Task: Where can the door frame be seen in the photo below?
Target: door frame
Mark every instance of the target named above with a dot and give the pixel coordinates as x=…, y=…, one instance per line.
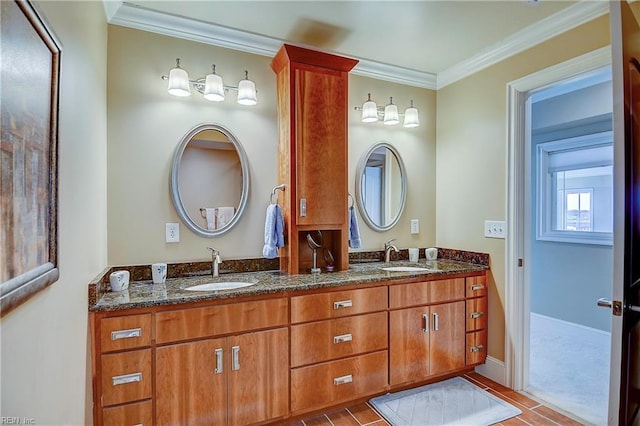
x=517, y=292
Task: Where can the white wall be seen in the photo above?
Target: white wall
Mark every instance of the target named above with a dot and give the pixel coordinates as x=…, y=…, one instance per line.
x=44, y=364
x=146, y=125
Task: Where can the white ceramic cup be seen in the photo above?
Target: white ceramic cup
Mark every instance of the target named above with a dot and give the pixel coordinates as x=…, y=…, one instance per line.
x=431, y=253
x=159, y=272
x=414, y=254
x=119, y=280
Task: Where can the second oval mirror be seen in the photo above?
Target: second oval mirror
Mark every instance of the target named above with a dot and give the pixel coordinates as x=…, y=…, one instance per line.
x=209, y=180
x=381, y=186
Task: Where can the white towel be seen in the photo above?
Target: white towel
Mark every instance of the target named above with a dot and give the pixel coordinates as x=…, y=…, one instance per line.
x=224, y=216
x=210, y=214
x=354, y=230
x=273, y=231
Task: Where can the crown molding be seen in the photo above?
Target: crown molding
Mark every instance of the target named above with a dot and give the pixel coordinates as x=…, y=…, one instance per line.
x=552, y=26
x=132, y=16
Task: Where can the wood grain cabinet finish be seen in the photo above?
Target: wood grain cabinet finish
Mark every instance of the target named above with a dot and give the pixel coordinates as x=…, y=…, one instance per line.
x=330, y=383
x=136, y=414
x=476, y=347
x=125, y=332
x=126, y=377
x=337, y=338
x=477, y=314
x=334, y=304
x=476, y=286
x=477, y=320
x=426, y=292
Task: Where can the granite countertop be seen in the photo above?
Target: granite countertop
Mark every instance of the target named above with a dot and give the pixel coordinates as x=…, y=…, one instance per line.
x=142, y=294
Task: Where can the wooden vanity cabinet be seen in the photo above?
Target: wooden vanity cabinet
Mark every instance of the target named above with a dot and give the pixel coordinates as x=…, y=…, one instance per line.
x=428, y=339
x=476, y=320
x=312, y=90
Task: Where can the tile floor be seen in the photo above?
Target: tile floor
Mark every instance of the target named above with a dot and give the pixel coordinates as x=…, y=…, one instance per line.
x=533, y=413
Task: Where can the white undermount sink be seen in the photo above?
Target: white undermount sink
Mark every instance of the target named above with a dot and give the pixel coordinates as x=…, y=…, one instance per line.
x=404, y=269
x=226, y=285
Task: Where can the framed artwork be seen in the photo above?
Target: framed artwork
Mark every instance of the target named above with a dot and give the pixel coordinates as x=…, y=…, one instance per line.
x=29, y=84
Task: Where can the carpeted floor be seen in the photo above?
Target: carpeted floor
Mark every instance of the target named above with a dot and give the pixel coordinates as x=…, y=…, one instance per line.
x=569, y=367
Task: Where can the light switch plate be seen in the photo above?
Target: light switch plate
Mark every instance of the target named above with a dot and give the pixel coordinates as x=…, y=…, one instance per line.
x=172, y=233
x=415, y=226
x=495, y=229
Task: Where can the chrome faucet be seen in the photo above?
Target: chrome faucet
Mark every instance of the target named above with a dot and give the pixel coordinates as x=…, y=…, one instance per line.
x=215, y=261
x=387, y=249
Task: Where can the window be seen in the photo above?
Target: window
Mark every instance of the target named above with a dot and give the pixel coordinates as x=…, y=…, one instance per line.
x=575, y=190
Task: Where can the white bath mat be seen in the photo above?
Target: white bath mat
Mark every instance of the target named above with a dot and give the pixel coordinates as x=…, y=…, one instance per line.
x=451, y=402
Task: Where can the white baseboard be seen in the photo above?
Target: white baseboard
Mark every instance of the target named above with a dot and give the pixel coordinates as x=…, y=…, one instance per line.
x=493, y=369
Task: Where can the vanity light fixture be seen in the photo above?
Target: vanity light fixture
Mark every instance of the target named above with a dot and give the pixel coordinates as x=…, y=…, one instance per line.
x=211, y=86
x=389, y=115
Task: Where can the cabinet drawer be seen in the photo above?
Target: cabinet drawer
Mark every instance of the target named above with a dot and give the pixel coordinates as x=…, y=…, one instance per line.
x=476, y=286
x=194, y=323
x=126, y=377
x=337, y=338
x=476, y=347
x=333, y=382
x=426, y=292
x=314, y=307
x=477, y=314
x=140, y=413
x=126, y=332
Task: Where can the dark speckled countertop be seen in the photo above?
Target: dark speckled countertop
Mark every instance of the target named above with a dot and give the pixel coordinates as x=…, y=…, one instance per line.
x=144, y=293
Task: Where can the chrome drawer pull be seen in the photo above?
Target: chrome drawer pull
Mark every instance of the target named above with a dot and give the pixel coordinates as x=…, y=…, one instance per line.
x=343, y=304
x=436, y=326
x=475, y=315
x=425, y=318
x=126, y=334
x=477, y=348
x=218, y=353
x=235, y=358
x=342, y=338
x=477, y=287
x=343, y=380
x=126, y=378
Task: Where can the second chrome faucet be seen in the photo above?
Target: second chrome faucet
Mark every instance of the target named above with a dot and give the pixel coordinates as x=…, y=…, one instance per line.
x=215, y=261
x=387, y=249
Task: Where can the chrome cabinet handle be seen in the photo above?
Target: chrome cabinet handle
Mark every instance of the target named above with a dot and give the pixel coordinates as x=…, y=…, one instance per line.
x=218, y=353
x=476, y=348
x=303, y=207
x=343, y=338
x=235, y=358
x=477, y=287
x=343, y=380
x=475, y=315
x=343, y=304
x=425, y=318
x=126, y=334
x=435, y=322
x=126, y=378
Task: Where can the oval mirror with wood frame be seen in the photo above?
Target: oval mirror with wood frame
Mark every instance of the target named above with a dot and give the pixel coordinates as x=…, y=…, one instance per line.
x=209, y=181
x=381, y=187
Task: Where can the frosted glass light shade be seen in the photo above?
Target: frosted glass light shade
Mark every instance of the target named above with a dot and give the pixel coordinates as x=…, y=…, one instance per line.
x=178, y=82
x=247, y=92
x=213, y=88
x=391, y=116
x=369, y=111
x=411, y=118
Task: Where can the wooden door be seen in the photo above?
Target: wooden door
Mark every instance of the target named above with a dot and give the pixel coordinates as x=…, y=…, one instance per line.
x=320, y=98
x=189, y=390
x=447, y=337
x=409, y=331
x=258, y=371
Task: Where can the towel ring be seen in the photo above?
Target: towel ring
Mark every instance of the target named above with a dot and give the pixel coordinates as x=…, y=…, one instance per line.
x=273, y=192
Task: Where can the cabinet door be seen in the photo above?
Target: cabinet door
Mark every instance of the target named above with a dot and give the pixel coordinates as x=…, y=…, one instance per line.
x=321, y=145
x=190, y=389
x=258, y=376
x=447, y=337
x=409, y=331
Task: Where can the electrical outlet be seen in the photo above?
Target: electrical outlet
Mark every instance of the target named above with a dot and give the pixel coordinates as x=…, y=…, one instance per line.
x=172, y=233
x=495, y=229
x=415, y=226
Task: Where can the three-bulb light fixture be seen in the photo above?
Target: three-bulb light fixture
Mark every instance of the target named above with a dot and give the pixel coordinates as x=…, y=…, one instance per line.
x=211, y=86
x=389, y=114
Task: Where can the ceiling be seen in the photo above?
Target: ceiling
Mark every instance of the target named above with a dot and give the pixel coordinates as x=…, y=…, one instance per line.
x=425, y=43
